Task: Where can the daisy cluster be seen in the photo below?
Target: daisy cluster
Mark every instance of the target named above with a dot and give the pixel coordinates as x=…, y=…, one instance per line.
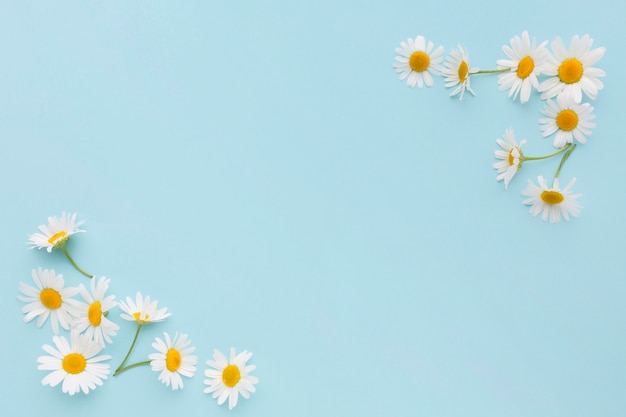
x=564, y=77
x=82, y=330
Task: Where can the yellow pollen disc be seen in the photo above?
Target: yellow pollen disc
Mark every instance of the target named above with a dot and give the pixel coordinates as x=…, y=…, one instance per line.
x=511, y=157
x=137, y=316
x=419, y=61
x=74, y=363
x=463, y=70
x=57, y=236
x=567, y=120
x=50, y=298
x=552, y=197
x=525, y=67
x=570, y=71
x=172, y=360
x=94, y=314
x=231, y=376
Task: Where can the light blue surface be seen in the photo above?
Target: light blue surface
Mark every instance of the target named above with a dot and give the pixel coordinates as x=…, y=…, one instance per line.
x=260, y=169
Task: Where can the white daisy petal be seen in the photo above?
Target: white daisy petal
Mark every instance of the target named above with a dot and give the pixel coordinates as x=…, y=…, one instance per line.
x=172, y=360
x=552, y=202
x=142, y=311
x=569, y=119
x=418, y=62
x=511, y=157
x=229, y=377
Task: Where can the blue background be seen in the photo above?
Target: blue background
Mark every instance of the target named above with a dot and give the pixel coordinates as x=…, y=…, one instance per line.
x=260, y=170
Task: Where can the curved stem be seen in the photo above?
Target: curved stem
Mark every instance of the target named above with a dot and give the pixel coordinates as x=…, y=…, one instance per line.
x=132, y=346
x=495, y=71
x=81, y=270
x=536, y=158
x=134, y=365
x=565, y=156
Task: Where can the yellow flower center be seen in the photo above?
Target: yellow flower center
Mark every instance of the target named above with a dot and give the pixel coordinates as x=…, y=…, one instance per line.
x=50, y=298
x=552, y=197
x=567, y=120
x=137, y=316
x=463, y=70
x=94, y=314
x=172, y=360
x=511, y=157
x=570, y=71
x=231, y=376
x=525, y=67
x=57, y=236
x=74, y=363
x=419, y=61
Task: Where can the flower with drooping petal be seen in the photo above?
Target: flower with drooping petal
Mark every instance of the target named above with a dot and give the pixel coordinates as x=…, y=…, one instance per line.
x=229, y=378
x=56, y=233
x=142, y=310
x=74, y=363
x=568, y=119
x=90, y=315
x=526, y=61
x=457, y=72
x=49, y=298
x=511, y=157
x=571, y=69
x=173, y=359
x=552, y=202
x=418, y=61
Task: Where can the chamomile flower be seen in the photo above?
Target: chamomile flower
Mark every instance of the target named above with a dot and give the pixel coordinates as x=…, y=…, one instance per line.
x=568, y=119
x=572, y=70
x=56, y=233
x=511, y=157
x=418, y=61
x=526, y=61
x=173, y=359
x=142, y=310
x=229, y=378
x=49, y=298
x=74, y=363
x=552, y=202
x=457, y=72
x=90, y=315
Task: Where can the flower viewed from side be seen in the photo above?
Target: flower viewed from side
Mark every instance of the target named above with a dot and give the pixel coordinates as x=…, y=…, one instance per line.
x=75, y=364
x=552, y=202
x=142, y=310
x=510, y=155
x=526, y=61
x=418, y=61
x=457, y=72
x=229, y=378
x=572, y=70
x=568, y=119
x=90, y=315
x=49, y=298
x=56, y=233
x=173, y=359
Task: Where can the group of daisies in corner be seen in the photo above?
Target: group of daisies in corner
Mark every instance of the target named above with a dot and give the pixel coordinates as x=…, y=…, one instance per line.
x=568, y=72
x=76, y=362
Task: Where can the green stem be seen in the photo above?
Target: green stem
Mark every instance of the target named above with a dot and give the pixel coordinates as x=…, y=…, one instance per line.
x=536, y=158
x=495, y=71
x=134, y=365
x=565, y=156
x=132, y=346
x=81, y=270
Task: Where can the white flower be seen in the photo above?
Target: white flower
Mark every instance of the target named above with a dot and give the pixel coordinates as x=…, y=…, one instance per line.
x=75, y=364
x=418, y=62
x=552, y=202
x=526, y=62
x=572, y=69
x=511, y=157
x=90, y=316
x=457, y=72
x=228, y=379
x=48, y=299
x=568, y=119
x=143, y=311
x=56, y=233
x=173, y=360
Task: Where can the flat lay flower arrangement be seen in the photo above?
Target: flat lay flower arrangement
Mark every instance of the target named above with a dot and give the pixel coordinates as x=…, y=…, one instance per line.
x=83, y=326
x=564, y=76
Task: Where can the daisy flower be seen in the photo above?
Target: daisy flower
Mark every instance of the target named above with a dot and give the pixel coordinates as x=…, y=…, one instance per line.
x=74, y=363
x=229, y=378
x=173, y=359
x=49, y=298
x=568, y=119
x=143, y=311
x=552, y=202
x=418, y=62
x=572, y=69
x=511, y=157
x=526, y=62
x=457, y=72
x=56, y=233
x=90, y=315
